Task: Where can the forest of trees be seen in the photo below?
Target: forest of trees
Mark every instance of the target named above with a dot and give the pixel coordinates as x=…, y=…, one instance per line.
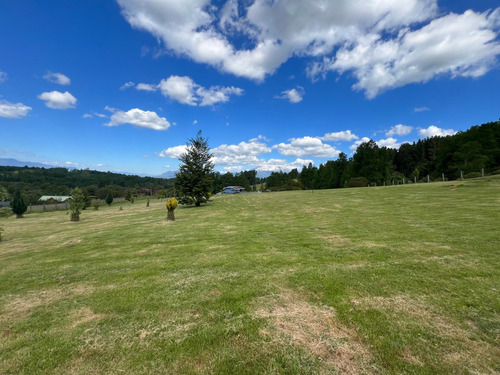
x=468, y=152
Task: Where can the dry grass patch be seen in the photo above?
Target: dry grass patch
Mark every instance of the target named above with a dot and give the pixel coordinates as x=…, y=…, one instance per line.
x=83, y=316
x=18, y=308
x=317, y=330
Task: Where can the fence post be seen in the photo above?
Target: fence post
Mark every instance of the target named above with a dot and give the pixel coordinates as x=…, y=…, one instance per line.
x=428, y=178
x=482, y=172
x=462, y=175
x=442, y=174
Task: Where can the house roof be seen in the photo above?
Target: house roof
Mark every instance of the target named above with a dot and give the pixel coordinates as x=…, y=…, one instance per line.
x=235, y=187
x=58, y=198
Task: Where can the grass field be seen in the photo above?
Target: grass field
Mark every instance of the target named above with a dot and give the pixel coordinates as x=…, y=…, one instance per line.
x=387, y=280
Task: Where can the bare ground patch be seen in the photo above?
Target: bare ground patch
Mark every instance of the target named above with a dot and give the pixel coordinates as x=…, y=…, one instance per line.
x=467, y=351
x=318, y=331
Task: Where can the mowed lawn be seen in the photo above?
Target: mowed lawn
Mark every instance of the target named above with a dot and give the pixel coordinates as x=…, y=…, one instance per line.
x=385, y=280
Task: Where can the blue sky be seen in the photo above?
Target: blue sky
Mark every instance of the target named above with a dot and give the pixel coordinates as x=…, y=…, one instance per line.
x=121, y=85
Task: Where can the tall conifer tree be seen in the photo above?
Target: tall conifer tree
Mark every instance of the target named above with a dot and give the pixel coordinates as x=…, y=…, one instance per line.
x=18, y=205
x=193, y=183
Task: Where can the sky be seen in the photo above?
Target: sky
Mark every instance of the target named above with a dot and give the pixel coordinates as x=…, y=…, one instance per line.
x=273, y=84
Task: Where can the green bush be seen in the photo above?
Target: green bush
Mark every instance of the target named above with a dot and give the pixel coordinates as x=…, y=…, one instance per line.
x=358, y=182
x=6, y=212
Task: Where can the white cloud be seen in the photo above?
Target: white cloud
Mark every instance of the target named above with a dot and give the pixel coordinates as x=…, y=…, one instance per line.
x=454, y=45
x=195, y=122
x=433, y=131
x=384, y=43
x=389, y=143
x=345, y=136
x=260, y=137
x=355, y=145
x=3, y=76
x=140, y=118
x=90, y=115
x=185, y=91
x=58, y=78
x=127, y=85
x=292, y=95
x=203, y=32
x=13, y=110
x=87, y=115
x=173, y=152
x=307, y=146
x=400, y=130
x=58, y=100
x=146, y=87
x=422, y=109
x=276, y=165
x=242, y=153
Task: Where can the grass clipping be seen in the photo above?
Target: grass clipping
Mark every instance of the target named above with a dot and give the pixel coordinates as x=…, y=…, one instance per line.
x=317, y=330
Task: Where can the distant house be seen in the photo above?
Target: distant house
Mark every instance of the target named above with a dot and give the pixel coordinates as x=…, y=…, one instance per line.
x=51, y=199
x=234, y=189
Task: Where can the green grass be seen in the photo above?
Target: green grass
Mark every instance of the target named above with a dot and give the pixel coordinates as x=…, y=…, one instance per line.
x=394, y=280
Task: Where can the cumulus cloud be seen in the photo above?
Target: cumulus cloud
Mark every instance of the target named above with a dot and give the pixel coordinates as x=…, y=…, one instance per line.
x=242, y=153
x=127, y=85
x=13, y=110
x=400, y=130
x=58, y=100
x=58, y=78
x=342, y=136
x=3, y=76
x=173, y=152
x=185, y=91
x=292, y=95
x=454, y=45
x=433, y=131
x=384, y=44
x=389, y=143
x=140, y=118
x=307, y=146
x=355, y=145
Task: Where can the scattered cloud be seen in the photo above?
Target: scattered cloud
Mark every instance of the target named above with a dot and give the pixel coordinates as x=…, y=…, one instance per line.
x=241, y=153
x=195, y=122
x=173, y=152
x=58, y=78
x=389, y=143
x=422, y=109
x=383, y=44
x=87, y=115
x=139, y=118
x=58, y=100
x=355, y=145
x=259, y=138
x=276, y=165
x=146, y=87
x=185, y=91
x=13, y=110
x=433, y=131
x=342, y=136
x=400, y=130
x=3, y=76
x=307, y=146
x=127, y=85
x=292, y=95
x=97, y=114
x=71, y=164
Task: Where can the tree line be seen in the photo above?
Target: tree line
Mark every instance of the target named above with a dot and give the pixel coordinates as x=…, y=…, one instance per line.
x=465, y=153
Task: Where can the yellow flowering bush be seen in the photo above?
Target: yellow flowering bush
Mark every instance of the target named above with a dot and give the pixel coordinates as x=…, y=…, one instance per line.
x=171, y=206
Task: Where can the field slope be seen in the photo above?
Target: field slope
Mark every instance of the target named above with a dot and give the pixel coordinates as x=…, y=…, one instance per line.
x=387, y=280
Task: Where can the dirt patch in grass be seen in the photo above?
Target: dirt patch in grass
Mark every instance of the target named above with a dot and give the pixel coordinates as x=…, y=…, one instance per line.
x=317, y=330
x=18, y=308
x=467, y=349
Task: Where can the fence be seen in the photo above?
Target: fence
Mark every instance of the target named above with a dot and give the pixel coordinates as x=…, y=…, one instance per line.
x=61, y=206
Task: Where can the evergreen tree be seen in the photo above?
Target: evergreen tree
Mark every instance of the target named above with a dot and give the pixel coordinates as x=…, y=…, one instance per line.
x=18, y=205
x=109, y=198
x=193, y=183
x=76, y=204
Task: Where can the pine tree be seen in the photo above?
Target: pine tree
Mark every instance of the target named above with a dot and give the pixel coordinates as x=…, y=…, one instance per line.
x=193, y=183
x=19, y=207
x=109, y=198
x=76, y=204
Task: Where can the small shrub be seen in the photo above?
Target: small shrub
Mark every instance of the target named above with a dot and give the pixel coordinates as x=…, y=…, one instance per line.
x=19, y=207
x=171, y=206
x=76, y=204
x=6, y=212
x=1, y=230
x=109, y=198
x=96, y=205
x=147, y=203
x=358, y=182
